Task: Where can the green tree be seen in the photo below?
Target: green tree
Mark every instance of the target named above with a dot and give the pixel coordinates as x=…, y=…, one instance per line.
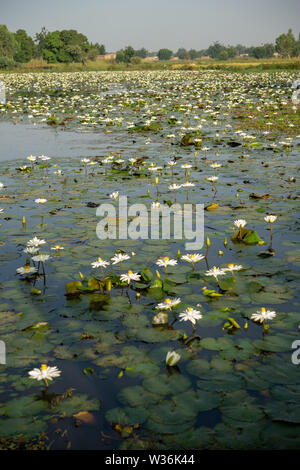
x=71, y=37
x=193, y=54
x=100, y=48
x=164, y=54
x=120, y=56
x=93, y=53
x=40, y=39
x=53, y=48
x=8, y=43
x=128, y=54
x=231, y=51
x=286, y=44
x=26, y=46
x=223, y=55
x=182, y=54
x=143, y=53
x=215, y=50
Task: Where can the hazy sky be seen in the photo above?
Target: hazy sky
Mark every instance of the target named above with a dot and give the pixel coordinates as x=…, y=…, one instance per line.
x=158, y=23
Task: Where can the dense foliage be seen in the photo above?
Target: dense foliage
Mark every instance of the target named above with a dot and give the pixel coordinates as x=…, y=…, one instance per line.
x=71, y=46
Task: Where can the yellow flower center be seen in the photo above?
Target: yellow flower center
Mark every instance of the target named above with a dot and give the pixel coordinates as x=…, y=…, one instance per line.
x=192, y=256
x=263, y=310
x=44, y=367
x=130, y=272
x=99, y=259
x=168, y=301
x=230, y=265
x=27, y=267
x=190, y=309
x=166, y=258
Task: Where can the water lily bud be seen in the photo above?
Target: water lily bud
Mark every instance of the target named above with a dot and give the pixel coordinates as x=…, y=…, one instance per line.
x=81, y=275
x=172, y=358
x=220, y=252
x=108, y=285
x=207, y=242
x=225, y=242
x=24, y=221
x=157, y=274
x=156, y=180
x=137, y=295
x=246, y=326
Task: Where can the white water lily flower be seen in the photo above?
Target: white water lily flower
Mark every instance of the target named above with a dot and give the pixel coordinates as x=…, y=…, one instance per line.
x=212, y=179
x=156, y=205
x=31, y=250
x=31, y=158
x=186, y=166
x=240, y=223
x=41, y=258
x=85, y=160
x=57, y=248
x=114, y=195
x=215, y=165
x=262, y=315
x=175, y=186
x=172, y=358
x=119, y=257
x=130, y=276
x=35, y=241
x=191, y=315
x=100, y=263
x=270, y=218
x=172, y=163
x=166, y=261
x=193, y=257
x=40, y=201
x=168, y=304
x=233, y=267
x=1, y=210
x=44, y=373
x=187, y=185
x=215, y=272
x=26, y=270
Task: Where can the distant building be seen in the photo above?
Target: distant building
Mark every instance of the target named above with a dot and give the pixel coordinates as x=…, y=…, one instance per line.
x=205, y=57
x=174, y=58
x=243, y=55
x=107, y=56
x=151, y=59
x=276, y=54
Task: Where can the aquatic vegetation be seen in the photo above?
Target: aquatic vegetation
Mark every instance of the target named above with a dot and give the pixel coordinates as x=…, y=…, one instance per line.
x=156, y=345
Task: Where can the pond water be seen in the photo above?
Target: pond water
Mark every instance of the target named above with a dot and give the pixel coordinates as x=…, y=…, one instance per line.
x=235, y=385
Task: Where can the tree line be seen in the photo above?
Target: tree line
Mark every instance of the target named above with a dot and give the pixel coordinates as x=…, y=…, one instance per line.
x=71, y=46
x=55, y=47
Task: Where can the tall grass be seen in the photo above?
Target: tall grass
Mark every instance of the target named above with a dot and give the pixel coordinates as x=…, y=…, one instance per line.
x=236, y=64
